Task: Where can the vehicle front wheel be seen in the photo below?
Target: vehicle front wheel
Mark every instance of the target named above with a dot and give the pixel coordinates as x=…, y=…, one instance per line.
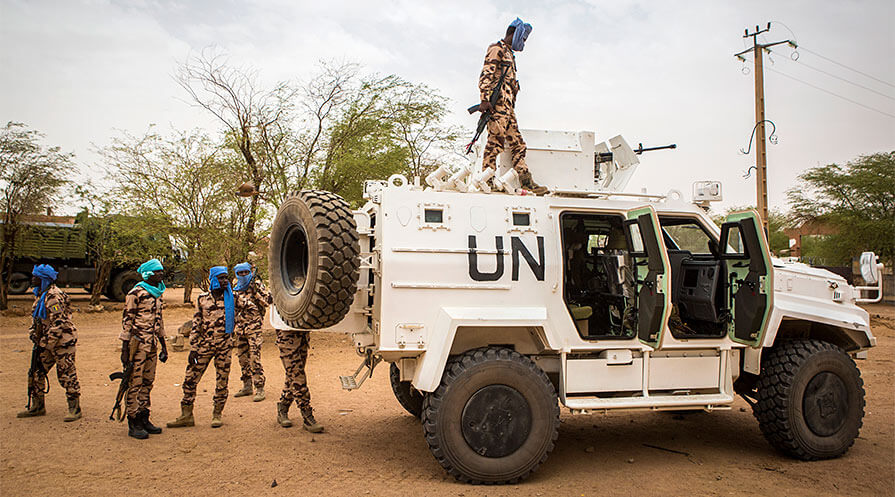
x=810, y=399
x=493, y=419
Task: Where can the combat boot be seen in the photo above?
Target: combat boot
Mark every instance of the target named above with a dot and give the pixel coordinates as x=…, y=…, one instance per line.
x=37, y=409
x=135, y=428
x=310, y=424
x=283, y=414
x=74, y=410
x=259, y=395
x=529, y=184
x=185, y=419
x=246, y=389
x=147, y=425
x=216, y=417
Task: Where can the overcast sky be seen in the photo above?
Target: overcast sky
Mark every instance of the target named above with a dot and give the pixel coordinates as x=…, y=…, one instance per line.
x=656, y=72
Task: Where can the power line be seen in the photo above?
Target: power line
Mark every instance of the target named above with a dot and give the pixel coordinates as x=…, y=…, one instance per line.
x=843, y=79
x=831, y=93
x=800, y=47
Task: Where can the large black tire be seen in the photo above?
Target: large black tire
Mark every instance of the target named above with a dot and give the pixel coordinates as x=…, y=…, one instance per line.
x=810, y=399
x=493, y=419
x=314, y=259
x=121, y=284
x=410, y=398
x=19, y=283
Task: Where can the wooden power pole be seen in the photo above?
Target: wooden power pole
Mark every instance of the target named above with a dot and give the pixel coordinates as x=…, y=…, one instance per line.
x=761, y=156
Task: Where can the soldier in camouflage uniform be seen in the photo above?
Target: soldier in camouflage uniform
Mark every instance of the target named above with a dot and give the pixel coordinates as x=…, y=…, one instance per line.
x=294, y=345
x=211, y=338
x=256, y=298
x=142, y=321
x=55, y=337
x=503, y=130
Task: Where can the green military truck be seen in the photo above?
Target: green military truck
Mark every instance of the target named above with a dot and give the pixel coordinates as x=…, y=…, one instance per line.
x=62, y=241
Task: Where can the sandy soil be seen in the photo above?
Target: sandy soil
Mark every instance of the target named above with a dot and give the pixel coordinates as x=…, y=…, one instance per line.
x=372, y=447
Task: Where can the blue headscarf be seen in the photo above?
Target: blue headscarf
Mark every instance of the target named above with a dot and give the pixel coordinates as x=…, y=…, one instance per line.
x=242, y=282
x=523, y=29
x=47, y=276
x=229, y=308
x=146, y=270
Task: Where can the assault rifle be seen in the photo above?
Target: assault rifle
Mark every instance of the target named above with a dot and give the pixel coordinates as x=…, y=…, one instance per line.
x=486, y=116
x=35, y=373
x=125, y=377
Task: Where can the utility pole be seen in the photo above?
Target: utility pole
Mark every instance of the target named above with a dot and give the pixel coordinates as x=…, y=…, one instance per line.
x=761, y=155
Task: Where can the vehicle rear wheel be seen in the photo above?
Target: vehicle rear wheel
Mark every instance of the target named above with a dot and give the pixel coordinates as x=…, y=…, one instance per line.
x=314, y=259
x=810, y=399
x=410, y=398
x=507, y=411
x=121, y=284
x=19, y=283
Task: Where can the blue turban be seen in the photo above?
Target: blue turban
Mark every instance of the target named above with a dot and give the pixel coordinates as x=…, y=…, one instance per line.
x=148, y=269
x=229, y=308
x=521, y=34
x=47, y=276
x=242, y=282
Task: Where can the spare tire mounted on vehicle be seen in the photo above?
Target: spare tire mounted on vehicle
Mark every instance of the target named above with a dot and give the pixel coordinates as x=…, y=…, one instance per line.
x=314, y=259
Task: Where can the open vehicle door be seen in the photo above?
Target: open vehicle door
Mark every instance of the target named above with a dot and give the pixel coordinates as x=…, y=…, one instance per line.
x=744, y=250
x=651, y=274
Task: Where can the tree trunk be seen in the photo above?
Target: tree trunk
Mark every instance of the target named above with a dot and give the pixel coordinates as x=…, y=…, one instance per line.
x=103, y=271
x=6, y=257
x=188, y=287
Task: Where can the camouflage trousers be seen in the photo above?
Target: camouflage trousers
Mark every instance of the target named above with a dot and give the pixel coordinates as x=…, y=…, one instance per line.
x=64, y=360
x=503, y=133
x=143, y=377
x=294, y=347
x=248, y=351
x=194, y=373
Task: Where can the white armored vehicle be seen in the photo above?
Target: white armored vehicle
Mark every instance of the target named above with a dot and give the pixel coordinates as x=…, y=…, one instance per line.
x=495, y=308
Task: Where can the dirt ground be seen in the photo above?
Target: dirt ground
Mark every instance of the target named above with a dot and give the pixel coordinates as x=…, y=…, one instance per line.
x=372, y=447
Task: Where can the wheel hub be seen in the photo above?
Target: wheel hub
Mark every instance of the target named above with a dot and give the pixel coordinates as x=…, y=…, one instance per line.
x=496, y=421
x=825, y=404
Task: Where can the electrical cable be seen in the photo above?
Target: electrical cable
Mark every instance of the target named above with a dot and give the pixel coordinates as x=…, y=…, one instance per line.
x=843, y=79
x=800, y=47
x=830, y=93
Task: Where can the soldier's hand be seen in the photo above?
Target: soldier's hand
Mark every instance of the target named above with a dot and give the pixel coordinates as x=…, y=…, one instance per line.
x=193, y=357
x=163, y=355
x=124, y=354
x=485, y=106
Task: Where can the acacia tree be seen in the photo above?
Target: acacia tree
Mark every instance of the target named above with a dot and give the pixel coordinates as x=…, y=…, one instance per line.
x=256, y=120
x=31, y=176
x=858, y=198
x=115, y=240
x=185, y=183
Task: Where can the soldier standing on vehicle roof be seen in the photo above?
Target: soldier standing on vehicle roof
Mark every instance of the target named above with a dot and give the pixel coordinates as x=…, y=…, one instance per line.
x=142, y=321
x=294, y=345
x=55, y=337
x=248, y=329
x=211, y=337
x=503, y=130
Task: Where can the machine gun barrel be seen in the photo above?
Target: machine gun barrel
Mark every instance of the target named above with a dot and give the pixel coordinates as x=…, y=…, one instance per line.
x=639, y=150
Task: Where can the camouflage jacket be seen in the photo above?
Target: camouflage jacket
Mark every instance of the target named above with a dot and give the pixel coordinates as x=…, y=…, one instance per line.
x=56, y=331
x=255, y=301
x=208, y=333
x=142, y=318
x=498, y=57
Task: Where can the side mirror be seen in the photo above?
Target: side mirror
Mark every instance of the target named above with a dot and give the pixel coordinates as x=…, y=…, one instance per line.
x=869, y=268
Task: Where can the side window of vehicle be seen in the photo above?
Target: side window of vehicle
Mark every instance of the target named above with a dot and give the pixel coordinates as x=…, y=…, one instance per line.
x=688, y=235
x=735, y=247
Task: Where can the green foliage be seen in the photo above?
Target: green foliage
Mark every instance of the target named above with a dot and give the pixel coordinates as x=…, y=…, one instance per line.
x=858, y=198
x=31, y=177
